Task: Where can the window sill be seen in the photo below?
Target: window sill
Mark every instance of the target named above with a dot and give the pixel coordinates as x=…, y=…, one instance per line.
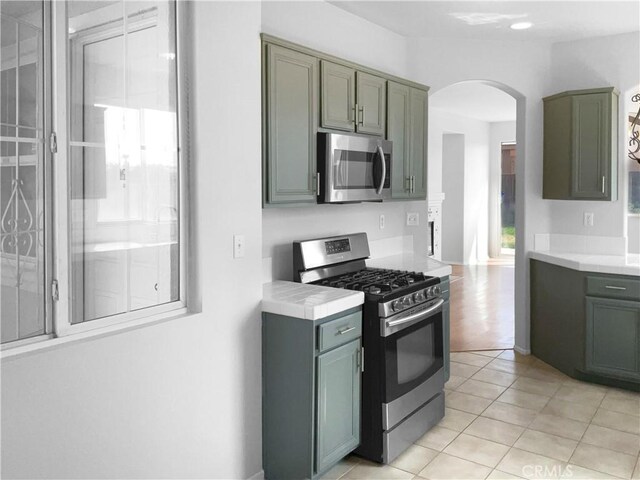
x=47, y=342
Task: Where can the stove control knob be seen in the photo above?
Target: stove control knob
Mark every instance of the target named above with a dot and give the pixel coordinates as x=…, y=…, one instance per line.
x=427, y=292
x=418, y=297
x=406, y=301
x=397, y=306
x=437, y=291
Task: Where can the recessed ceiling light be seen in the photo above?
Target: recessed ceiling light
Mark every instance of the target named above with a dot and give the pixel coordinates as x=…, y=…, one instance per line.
x=521, y=25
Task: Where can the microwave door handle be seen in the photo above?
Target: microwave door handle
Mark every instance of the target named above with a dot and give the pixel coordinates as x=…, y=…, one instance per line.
x=384, y=170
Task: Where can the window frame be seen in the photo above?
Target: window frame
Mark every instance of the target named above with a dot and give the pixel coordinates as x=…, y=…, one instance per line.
x=58, y=314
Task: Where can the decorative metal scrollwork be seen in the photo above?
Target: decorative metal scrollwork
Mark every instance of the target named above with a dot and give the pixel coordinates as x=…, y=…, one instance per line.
x=634, y=139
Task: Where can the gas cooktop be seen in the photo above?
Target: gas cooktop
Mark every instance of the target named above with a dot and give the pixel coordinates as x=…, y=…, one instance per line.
x=378, y=281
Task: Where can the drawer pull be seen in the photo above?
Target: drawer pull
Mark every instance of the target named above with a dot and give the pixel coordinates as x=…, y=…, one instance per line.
x=345, y=330
x=612, y=287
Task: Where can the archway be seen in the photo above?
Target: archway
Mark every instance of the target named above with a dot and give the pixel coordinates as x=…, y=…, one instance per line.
x=518, y=305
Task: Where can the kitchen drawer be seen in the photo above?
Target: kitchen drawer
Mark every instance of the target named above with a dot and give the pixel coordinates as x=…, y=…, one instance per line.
x=613, y=287
x=339, y=331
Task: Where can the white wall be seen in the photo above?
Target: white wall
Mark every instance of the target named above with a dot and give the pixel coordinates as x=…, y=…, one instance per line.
x=453, y=177
x=331, y=30
x=592, y=63
x=471, y=194
x=180, y=399
x=500, y=132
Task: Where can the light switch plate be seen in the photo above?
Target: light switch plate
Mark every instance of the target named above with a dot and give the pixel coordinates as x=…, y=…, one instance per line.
x=413, y=219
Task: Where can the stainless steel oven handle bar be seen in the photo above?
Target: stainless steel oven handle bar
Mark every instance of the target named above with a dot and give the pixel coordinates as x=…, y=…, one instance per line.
x=411, y=318
x=384, y=170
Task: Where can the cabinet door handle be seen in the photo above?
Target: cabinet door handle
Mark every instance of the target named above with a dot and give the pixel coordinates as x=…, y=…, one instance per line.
x=362, y=359
x=603, y=179
x=354, y=111
x=612, y=287
x=362, y=115
x=345, y=330
x=318, y=183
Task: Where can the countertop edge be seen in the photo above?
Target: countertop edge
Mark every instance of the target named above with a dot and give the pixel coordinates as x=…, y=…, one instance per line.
x=589, y=263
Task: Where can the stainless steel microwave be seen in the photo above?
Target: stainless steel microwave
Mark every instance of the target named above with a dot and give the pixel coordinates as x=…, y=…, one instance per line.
x=353, y=168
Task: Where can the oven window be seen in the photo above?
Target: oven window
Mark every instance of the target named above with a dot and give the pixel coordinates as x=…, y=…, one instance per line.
x=412, y=356
x=358, y=170
x=415, y=354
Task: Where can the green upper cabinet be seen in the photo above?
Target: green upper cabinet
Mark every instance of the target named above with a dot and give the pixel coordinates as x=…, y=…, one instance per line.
x=407, y=128
x=338, y=97
x=371, y=104
x=580, y=145
x=291, y=99
x=304, y=90
x=352, y=101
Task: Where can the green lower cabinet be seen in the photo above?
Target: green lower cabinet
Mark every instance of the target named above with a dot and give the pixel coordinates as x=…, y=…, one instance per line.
x=311, y=379
x=338, y=417
x=613, y=337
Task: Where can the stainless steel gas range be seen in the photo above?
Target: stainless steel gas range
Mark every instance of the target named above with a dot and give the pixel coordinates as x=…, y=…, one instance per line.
x=402, y=334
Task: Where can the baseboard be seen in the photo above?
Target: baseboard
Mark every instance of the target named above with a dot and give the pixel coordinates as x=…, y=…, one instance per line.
x=257, y=476
x=522, y=351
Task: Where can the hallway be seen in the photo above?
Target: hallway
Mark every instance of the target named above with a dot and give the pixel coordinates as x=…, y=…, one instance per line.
x=482, y=308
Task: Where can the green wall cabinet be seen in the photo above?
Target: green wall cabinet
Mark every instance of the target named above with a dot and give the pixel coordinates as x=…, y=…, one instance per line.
x=338, y=97
x=304, y=90
x=351, y=100
x=580, y=145
x=407, y=129
x=291, y=95
x=613, y=337
x=311, y=374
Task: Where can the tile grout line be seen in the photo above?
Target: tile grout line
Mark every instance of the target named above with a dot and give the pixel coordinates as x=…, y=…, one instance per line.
x=607, y=390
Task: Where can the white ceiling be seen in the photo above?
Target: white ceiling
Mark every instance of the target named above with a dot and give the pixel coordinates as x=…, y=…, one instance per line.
x=477, y=101
x=554, y=21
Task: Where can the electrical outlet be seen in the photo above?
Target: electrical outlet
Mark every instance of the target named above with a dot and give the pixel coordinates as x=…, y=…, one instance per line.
x=413, y=219
x=381, y=222
x=238, y=246
x=588, y=219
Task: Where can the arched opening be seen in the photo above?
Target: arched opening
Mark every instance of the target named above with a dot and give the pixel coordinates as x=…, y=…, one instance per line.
x=477, y=154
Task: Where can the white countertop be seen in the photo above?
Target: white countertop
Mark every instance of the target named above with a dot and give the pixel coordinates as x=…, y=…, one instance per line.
x=587, y=262
x=309, y=302
x=414, y=262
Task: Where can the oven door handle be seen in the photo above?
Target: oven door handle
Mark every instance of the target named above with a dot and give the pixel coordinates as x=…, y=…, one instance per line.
x=384, y=170
x=411, y=318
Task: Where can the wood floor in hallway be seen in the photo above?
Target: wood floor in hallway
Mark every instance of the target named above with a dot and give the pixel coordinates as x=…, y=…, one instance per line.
x=482, y=308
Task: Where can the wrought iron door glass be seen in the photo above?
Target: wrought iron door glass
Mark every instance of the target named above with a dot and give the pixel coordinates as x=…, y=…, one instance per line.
x=22, y=155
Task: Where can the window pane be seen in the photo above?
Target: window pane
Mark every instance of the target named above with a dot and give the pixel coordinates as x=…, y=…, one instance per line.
x=123, y=157
x=22, y=302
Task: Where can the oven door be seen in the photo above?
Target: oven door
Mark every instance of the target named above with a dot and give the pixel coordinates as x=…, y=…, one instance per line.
x=413, y=348
x=357, y=168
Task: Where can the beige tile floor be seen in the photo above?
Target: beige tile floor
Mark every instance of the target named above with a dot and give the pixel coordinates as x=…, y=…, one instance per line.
x=513, y=416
